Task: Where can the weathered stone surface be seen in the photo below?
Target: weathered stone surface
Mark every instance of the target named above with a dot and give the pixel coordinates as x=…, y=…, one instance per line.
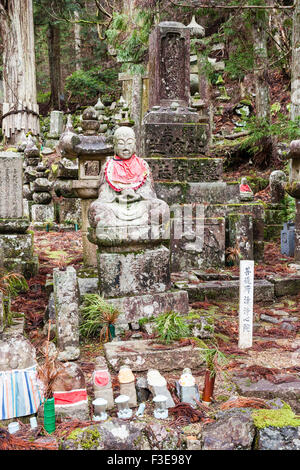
x=71, y=377
x=14, y=225
x=11, y=185
x=142, y=355
x=277, y=184
x=263, y=290
x=169, y=73
x=186, y=193
x=42, y=213
x=233, y=430
x=186, y=169
x=142, y=390
x=114, y=434
x=16, y=352
x=56, y=124
x=67, y=313
x=287, y=391
x=87, y=285
x=197, y=242
x=17, y=245
x=241, y=234
x=134, y=273
x=41, y=198
x=67, y=169
x=50, y=309
x=146, y=306
x=175, y=139
x=289, y=285
x=70, y=211
x=161, y=437
x=285, y=438
x=41, y=185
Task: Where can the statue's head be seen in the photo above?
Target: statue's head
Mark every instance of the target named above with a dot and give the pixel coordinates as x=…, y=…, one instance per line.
x=124, y=142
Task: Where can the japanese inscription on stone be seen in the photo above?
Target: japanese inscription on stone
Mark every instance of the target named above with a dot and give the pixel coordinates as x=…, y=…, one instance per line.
x=246, y=304
x=11, y=200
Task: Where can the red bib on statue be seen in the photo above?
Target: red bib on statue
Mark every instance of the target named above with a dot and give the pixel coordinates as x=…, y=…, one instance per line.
x=121, y=174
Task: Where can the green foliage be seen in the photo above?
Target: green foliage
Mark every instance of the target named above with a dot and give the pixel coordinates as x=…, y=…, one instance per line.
x=289, y=211
x=260, y=128
x=96, y=314
x=12, y=283
x=170, y=327
x=214, y=359
x=240, y=61
x=131, y=48
x=86, y=85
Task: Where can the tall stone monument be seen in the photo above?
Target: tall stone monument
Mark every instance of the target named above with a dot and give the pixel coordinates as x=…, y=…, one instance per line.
x=175, y=146
x=16, y=243
x=171, y=127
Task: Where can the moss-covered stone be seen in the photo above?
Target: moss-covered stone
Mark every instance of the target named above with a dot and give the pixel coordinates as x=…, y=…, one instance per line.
x=277, y=418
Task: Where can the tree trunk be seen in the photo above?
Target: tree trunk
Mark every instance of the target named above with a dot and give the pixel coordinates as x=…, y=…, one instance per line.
x=295, y=70
x=54, y=65
x=77, y=42
x=20, y=109
x=261, y=65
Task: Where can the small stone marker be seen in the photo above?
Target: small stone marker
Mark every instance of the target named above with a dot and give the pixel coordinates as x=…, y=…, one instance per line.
x=56, y=124
x=157, y=384
x=288, y=239
x=127, y=385
x=246, y=304
x=186, y=387
x=102, y=382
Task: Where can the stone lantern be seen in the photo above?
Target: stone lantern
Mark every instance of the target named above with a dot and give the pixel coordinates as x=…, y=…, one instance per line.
x=91, y=151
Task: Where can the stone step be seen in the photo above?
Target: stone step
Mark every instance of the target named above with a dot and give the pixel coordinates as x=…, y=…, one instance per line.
x=222, y=290
x=143, y=355
x=284, y=286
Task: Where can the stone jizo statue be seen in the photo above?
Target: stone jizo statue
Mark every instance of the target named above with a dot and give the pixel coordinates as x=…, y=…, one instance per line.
x=126, y=192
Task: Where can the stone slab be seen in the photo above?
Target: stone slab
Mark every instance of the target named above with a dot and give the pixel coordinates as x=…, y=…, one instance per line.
x=150, y=305
x=186, y=169
x=134, y=273
x=209, y=193
x=287, y=391
x=142, y=355
x=263, y=290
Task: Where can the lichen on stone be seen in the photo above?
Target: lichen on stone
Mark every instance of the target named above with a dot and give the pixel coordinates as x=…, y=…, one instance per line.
x=275, y=418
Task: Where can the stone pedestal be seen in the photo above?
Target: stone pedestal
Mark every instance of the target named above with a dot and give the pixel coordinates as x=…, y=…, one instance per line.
x=16, y=244
x=134, y=273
